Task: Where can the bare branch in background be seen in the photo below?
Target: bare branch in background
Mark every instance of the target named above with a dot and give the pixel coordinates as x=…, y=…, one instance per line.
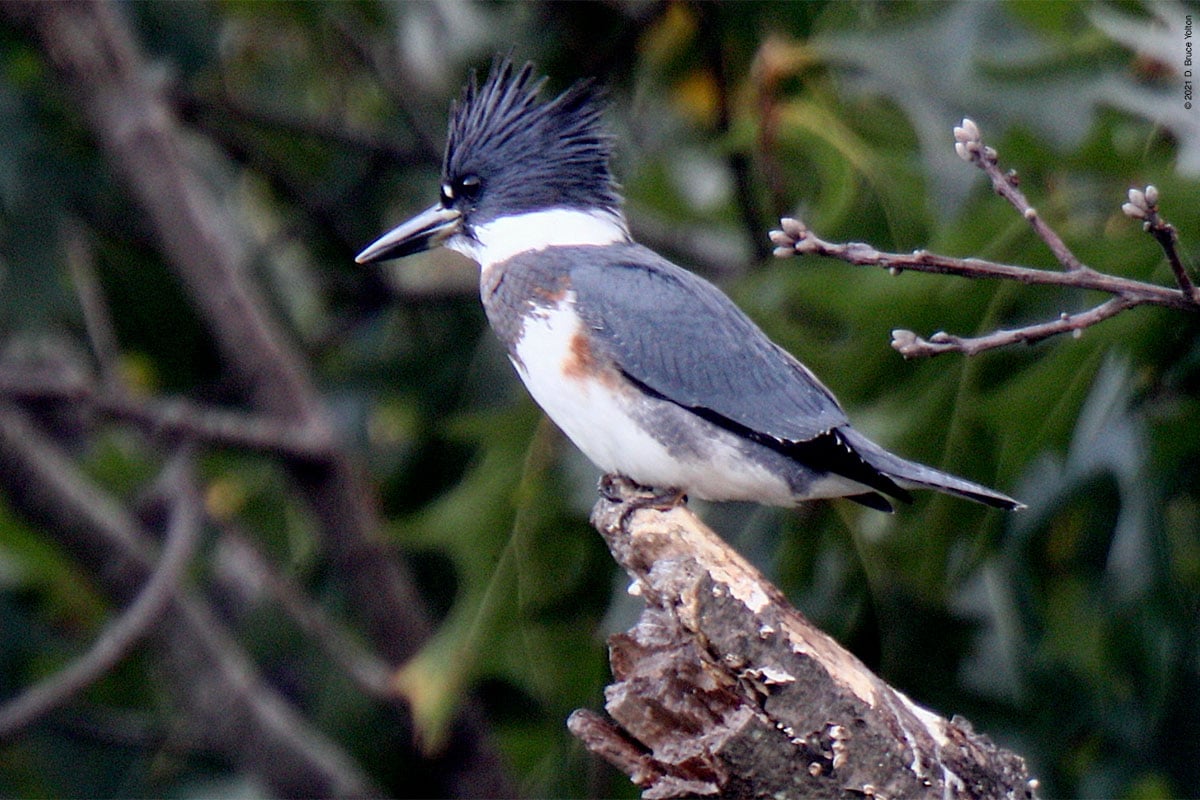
x=102, y=333
x=795, y=238
x=92, y=49
x=120, y=635
x=370, y=673
x=214, y=679
x=739, y=164
x=391, y=77
x=172, y=417
x=128, y=110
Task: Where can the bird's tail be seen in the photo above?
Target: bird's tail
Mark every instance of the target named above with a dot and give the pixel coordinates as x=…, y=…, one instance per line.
x=910, y=474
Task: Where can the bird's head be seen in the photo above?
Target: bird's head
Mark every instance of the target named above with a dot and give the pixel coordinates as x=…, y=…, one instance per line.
x=517, y=171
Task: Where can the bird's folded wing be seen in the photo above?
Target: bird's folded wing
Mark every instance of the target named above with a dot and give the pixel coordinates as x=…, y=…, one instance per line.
x=682, y=338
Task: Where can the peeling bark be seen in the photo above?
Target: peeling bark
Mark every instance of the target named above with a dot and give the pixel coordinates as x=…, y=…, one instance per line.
x=723, y=689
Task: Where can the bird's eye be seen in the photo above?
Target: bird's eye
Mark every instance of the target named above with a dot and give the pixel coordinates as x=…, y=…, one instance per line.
x=465, y=188
x=470, y=186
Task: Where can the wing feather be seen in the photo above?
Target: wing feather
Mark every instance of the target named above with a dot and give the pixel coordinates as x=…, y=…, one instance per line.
x=678, y=335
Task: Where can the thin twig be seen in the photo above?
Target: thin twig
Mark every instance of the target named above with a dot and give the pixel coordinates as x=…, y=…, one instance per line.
x=1143, y=204
x=1164, y=233
x=794, y=238
x=230, y=108
x=119, y=636
x=970, y=147
x=909, y=345
x=100, y=329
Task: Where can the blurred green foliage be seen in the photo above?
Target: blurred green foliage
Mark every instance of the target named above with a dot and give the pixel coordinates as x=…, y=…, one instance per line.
x=1067, y=632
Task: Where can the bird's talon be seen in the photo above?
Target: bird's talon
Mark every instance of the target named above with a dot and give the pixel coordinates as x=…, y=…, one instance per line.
x=612, y=486
x=617, y=488
x=660, y=500
x=634, y=496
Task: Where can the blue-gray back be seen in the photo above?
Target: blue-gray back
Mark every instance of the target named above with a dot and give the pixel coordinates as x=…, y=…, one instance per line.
x=681, y=337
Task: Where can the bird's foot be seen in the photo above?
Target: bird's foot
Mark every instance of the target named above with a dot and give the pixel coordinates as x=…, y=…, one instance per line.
x=617, y=488
x=620, y=489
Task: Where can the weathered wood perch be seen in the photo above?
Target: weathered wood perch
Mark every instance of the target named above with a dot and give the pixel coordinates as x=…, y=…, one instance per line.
x=723, y=689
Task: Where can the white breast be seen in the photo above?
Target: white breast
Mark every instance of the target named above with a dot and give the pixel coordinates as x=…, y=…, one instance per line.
x=592, y=413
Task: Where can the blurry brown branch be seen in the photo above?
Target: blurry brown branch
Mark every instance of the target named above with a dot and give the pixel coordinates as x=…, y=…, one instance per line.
x=739, y=163
x=371, y=674
x=215, y=680
x=173, y=418
x=391, y=77
x=126, y=106
x=119, y=636
x=288, y=121
x=795, y=238
x=723, y=689
x=100, y=328
x=92, y=50
x=237, y=127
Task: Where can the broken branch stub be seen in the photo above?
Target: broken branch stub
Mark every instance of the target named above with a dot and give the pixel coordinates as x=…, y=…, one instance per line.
x=723, y=689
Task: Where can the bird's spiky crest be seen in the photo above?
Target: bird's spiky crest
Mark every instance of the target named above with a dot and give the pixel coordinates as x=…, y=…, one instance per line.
x=530, y=154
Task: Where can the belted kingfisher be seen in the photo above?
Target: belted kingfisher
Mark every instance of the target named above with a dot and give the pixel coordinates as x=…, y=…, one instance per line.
x=650, y=370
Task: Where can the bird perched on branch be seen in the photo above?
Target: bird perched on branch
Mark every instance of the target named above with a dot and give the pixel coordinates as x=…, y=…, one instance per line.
x=649, y=369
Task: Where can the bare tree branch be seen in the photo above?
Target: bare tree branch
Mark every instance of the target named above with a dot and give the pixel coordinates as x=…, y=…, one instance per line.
x=237, y=713
x=101, y=331
x=177, y=418
x=370, y=673
x=723, y=689
x=968, y=143
x=795, y=238
x=909, y=345
x=119, y=636
x=97, y=61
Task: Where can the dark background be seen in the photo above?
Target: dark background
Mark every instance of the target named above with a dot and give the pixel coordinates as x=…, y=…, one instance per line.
x=443, y=527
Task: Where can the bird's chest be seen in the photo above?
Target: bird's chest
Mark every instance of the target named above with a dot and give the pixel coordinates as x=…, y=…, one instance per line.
x=567, y=373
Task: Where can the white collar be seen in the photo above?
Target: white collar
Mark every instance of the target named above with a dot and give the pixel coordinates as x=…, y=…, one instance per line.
x=505, y=237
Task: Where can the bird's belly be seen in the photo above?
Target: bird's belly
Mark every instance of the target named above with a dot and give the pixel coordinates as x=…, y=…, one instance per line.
x=622, y=429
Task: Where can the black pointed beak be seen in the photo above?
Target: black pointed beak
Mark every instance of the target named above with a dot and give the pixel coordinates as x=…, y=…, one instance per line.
x=423, y=232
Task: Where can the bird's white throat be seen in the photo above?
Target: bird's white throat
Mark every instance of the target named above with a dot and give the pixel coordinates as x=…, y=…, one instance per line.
x=505, y=237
